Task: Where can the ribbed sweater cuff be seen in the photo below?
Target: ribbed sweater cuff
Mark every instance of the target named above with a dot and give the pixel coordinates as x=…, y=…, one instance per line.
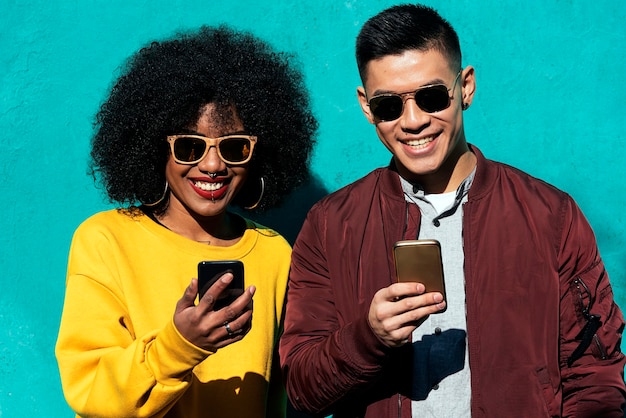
x=171, y=357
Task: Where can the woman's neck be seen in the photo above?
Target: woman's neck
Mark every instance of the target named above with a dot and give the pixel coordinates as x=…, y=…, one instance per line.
x=223, y=230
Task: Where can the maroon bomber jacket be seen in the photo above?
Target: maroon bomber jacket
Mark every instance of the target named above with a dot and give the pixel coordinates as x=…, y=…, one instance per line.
x=529, y=256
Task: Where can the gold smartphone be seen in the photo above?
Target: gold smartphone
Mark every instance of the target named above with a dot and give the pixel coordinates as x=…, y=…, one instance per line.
x=420, y=261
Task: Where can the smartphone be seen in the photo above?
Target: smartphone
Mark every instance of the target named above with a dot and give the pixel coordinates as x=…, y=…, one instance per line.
x=210, y=271
x=420, y=261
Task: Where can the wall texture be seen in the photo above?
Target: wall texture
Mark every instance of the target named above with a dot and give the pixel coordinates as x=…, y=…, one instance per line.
x=551, y=100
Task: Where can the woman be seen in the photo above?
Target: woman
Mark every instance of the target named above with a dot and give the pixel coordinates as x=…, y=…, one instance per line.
x=194, y=125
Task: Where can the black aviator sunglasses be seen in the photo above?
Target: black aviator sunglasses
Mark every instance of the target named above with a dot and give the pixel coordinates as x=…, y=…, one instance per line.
x=432, y=98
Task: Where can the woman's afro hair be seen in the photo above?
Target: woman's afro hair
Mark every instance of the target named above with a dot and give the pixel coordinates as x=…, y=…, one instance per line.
x=162, y=90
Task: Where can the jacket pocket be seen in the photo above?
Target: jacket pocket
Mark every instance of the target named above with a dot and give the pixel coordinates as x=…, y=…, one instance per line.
x=551, y=396
x=599, y=318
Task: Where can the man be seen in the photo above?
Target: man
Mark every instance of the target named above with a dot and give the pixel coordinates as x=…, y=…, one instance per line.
x=530, y=328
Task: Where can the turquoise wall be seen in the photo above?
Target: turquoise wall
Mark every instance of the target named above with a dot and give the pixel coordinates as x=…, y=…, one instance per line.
x=551, y=100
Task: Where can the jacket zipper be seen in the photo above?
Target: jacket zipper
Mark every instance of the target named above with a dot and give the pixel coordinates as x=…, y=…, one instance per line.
x=406, y=219
x=586, y=311
x=601, y=349
x=406, y=225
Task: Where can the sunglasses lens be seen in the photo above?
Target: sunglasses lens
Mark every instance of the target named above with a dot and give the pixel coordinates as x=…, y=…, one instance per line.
x=386, y=108
x=389, y=107
x=235, y=149
x=432, y=99
x=189, y=149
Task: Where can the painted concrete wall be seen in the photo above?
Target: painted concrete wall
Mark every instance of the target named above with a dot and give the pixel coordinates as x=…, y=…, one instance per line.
x=551, y=100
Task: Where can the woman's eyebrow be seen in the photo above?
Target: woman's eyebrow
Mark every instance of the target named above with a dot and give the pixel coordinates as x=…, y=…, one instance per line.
x=194, y=132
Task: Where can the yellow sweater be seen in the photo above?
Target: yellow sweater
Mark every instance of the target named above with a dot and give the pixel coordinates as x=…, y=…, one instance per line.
x=118, y=351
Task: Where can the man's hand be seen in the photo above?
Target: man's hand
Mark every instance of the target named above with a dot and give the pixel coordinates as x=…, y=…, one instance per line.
x=397, y=310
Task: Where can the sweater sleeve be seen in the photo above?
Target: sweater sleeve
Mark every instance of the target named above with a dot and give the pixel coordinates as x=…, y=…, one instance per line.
x=324, y=359
x=592, y=364
x=107, y=370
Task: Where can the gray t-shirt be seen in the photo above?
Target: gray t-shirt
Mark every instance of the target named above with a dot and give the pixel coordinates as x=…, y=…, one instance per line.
x=441, y=377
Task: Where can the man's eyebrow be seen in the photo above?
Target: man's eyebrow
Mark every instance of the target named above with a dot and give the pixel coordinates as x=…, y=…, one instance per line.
x=436, y=81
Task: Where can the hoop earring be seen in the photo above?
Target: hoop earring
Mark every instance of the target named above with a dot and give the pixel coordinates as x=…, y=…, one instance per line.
x=255, y=204
x=161, y=199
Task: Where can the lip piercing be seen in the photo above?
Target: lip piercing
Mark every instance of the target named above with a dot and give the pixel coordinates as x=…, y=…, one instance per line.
x=212, y=175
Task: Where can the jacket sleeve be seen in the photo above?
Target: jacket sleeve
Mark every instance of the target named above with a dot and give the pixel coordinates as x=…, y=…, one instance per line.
x=592, y=364
x=107, y=370
x=325, y=355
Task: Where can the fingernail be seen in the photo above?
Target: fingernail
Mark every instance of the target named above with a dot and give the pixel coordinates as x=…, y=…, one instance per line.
x=437, y=297
x=227, y=278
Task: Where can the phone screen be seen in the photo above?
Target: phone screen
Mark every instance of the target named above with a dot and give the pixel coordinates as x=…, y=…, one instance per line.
x=420, y=261
x=210, y=271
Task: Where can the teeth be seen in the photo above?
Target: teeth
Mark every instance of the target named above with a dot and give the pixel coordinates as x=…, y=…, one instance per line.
x=209, y=187
x=419, y=142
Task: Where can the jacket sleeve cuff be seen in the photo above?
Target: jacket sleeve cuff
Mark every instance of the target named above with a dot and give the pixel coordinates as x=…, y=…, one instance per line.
x=171, y=358
x=366, y=349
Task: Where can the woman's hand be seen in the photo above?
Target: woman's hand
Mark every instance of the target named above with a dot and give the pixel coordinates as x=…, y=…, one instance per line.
x=209, y=329
x=397, y=310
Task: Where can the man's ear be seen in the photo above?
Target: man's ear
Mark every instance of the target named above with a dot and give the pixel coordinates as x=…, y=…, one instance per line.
x=365, y=107
x=468, y=85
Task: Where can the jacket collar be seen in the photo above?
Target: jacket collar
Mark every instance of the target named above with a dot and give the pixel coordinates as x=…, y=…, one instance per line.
x=390, y=184
x=486, y=175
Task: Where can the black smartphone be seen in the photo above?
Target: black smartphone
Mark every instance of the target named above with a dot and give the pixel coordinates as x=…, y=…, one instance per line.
x=420, y=261
x=210, y=271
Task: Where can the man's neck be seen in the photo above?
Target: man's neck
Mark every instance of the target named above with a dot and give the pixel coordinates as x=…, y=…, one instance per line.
x=458, y=169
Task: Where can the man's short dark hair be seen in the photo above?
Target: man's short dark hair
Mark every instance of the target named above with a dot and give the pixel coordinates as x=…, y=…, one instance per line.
x=402, y=28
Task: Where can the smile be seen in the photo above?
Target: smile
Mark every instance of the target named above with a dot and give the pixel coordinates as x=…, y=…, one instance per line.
x=419, y=143
x=209, y=187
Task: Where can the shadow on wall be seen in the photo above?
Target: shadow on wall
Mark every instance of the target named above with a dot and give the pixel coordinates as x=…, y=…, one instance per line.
x=288, y=218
